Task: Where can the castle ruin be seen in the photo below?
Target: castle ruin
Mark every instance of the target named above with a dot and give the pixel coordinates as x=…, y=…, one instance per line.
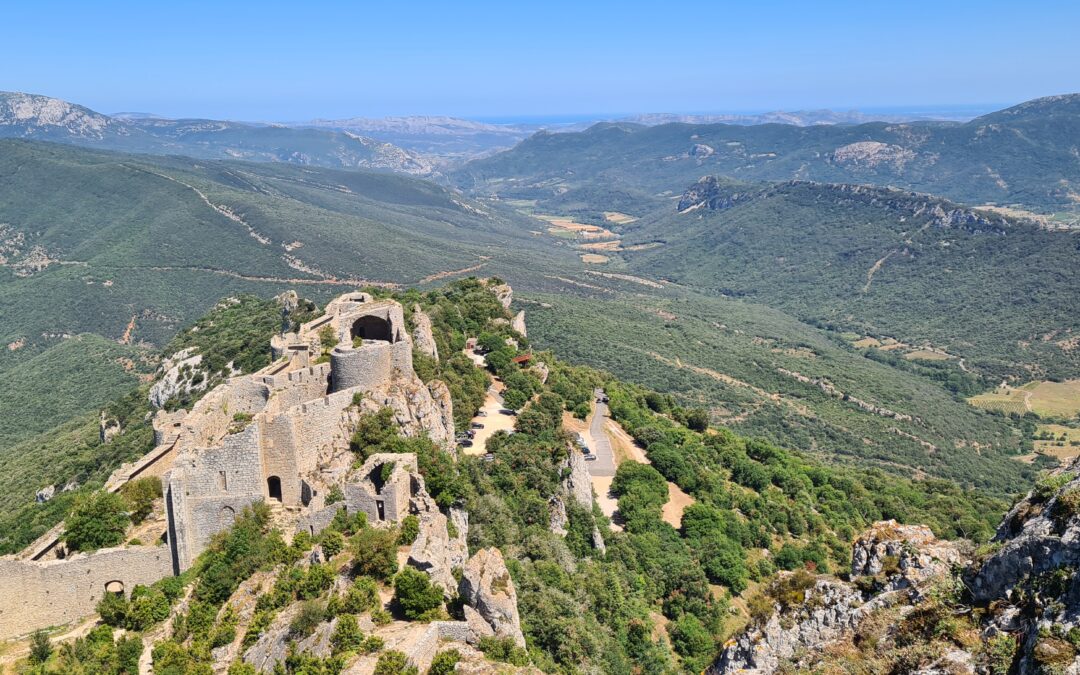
x=280, y=436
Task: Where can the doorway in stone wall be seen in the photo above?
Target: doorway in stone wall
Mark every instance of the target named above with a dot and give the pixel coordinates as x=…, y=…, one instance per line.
x=273, y=486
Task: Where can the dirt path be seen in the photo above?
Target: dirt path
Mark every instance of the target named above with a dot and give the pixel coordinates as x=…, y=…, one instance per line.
x=451, y=273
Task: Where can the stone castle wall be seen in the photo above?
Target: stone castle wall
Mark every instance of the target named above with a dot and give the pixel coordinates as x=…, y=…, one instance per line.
x=206, y=489
x=36, y=595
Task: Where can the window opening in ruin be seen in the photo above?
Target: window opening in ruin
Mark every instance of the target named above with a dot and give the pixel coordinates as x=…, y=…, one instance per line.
x=223, y=481
x=273, y=486
x=380, y=508
x=372, y=328
x=115, y=587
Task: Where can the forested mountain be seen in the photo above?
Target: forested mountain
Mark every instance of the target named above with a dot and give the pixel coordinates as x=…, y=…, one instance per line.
x=1025, y=156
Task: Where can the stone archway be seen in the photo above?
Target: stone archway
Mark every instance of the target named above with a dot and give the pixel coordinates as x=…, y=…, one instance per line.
x=228, y=516
x=372, y=328
x=273, y=487
x=116, y=587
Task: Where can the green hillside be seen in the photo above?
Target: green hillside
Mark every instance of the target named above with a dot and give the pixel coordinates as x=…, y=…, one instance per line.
x=995, y=291
x=743, y=362
x=1024, y=156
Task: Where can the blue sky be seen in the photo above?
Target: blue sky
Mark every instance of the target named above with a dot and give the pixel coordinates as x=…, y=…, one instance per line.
x=291, y=61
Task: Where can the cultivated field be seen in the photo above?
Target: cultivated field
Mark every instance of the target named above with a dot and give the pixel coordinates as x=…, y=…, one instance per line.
x=1046, y=399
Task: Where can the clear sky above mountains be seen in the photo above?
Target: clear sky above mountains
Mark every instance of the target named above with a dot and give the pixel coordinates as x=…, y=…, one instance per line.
x=293, y=61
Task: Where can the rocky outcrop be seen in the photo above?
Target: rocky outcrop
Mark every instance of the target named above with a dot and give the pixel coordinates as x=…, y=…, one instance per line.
x=518, y=323
x=871, y=155
x=578, y=483
x=423, y=339
x=1039, y=534
x=504, y=293
x=558, y=520
x=435, y=551
x=107, y=428
x=909, y=556
x=1032, y=582
x=440, y=395
x=490, y=597
x=418, y=408
x=176, y=376
x=906, y=561
x=828, y=609
x=709, y=193
x=701, y=151
x=45, y=494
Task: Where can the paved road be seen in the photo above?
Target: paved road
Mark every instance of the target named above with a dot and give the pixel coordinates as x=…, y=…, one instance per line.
x=601, y=444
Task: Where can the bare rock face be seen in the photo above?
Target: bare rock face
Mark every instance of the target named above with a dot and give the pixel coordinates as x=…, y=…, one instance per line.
x=45, y=494
x=829, y=609
x=504, y=293
x=440, y=394
x=435, y=551
x=107, y=428
x=871, y=155
x=578, y=483
x=422, y=337
x=558, y=521
x=518, y=323
x=1039, y=534
x=709, y=193
x=175, y=377
x=701, y=151
x=910, y=554
x=418, y=408
x=487, y=588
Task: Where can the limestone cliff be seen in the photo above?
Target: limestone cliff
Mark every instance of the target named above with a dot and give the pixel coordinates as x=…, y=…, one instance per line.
x=423, y=339
x=490, y=597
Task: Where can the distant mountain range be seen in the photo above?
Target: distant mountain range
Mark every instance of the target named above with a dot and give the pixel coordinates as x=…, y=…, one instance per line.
x=417, y=145
x=1027, y=156
x=49, y=119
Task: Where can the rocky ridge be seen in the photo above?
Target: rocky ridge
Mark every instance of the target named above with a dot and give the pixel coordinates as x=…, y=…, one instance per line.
x=931, y=604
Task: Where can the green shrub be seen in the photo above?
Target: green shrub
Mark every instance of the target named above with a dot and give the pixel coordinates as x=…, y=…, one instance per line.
x=504, y=650
x=410, y=530
x=375, y=553
x=416, y=595
x=332, y=543
x=139, y=495
x=40, y=647
x=311, y=614
x=97, y=520
x=444, y=662
x=346, y=636
x=394, y=663
x=361, y=596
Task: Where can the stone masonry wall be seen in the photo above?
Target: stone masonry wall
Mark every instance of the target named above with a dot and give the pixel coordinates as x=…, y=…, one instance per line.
x=37, y=595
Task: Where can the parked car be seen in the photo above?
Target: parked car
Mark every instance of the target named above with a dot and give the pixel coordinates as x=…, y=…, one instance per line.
x=590, y=458
x=585, y=450
x=476, y=425
x=488, y=457
x=465, y=443
x=482, y=413
x=507, y=411
x=470, y=433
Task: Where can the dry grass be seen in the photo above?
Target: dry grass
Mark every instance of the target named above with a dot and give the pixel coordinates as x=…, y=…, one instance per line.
x=618, y=218
x=594, y=258
x=866, y=343
x=927, y=355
